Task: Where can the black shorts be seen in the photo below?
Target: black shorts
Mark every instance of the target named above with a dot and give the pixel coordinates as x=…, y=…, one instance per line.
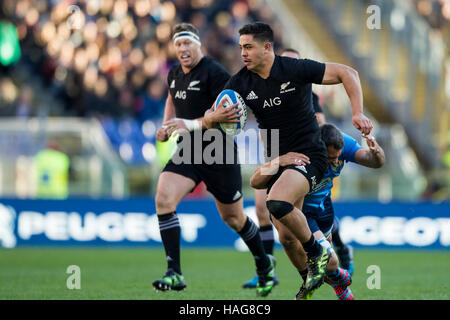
x=313, y=172
x=224, y=181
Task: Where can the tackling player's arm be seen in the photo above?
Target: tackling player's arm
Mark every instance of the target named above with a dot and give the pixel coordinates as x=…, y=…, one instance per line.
x=265, y=172
x=372, y=157
x=336, y=73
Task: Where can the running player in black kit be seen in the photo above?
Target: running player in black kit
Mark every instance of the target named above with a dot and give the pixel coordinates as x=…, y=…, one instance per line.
x=193, y=86
x=278, y=91
x=265, y=225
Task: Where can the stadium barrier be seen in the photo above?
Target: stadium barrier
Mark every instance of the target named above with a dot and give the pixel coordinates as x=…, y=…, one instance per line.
x=133, y=222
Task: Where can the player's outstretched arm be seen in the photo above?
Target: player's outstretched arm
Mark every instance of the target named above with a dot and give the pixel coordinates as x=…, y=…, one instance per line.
x=265, y=172
x=338, y=73
x=373, y=156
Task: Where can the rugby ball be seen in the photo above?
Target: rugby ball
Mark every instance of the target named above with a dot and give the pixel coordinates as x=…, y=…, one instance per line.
x=231, y=97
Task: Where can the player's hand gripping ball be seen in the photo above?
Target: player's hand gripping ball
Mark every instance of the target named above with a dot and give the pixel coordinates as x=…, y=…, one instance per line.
x=232, y=97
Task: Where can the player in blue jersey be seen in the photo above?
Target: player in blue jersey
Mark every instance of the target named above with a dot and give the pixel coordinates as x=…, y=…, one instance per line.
x=317, y=205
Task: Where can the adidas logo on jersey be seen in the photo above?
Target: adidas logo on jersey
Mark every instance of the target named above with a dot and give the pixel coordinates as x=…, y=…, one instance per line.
x=252, y=96
x=193, y=84
x=172, y=85
x=237, y=195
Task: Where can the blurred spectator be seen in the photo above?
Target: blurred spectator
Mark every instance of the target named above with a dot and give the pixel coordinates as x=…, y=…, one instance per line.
x=152, y=102
x=52, y=171
x=25, y=105
x=436, y=12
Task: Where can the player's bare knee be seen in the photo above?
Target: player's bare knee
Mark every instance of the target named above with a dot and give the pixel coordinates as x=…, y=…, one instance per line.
x=233, y=222
x=279, y=208
x=164, y=203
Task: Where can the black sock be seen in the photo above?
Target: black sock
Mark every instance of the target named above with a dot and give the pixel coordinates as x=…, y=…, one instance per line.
x=312, y=247
x=266, y=234
x=252, y=239
x=337, y=241
x=303, y=274
x=169, y=227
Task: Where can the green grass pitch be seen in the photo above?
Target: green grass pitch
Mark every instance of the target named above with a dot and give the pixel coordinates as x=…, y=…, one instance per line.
x=127, y=273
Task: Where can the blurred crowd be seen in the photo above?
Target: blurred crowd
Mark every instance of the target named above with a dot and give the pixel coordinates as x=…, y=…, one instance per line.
x=436, y=12
x=110, y=58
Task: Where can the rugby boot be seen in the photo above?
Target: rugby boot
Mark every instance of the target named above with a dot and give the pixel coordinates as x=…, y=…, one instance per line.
x=266, y=279
x=317, y=267
x=303, y=294
x=251, y=284
x=170, y=281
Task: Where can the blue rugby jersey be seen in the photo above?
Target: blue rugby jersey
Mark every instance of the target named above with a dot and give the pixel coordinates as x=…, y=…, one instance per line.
x=314, y=200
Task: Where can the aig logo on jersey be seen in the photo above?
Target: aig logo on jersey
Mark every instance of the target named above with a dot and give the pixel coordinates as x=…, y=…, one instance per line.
x=272, y=102
x=181, y=94
x=284, y=87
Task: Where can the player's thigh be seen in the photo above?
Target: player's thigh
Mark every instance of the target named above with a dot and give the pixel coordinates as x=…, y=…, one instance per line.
x=260, y=206
x=290, y=187
x=172, y=188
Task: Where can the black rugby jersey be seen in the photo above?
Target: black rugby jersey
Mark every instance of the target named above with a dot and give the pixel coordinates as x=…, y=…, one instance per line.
x=316, y=104
x=284, y=101
x=195, y=92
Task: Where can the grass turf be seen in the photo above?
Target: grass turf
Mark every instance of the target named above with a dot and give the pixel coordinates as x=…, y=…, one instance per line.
x=127, y=273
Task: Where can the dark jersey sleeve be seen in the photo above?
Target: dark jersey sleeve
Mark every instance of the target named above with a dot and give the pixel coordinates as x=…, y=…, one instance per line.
x=308, y=71
x=169, y=77
x=231, y=84
x=218, y=77
x=316, y=105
